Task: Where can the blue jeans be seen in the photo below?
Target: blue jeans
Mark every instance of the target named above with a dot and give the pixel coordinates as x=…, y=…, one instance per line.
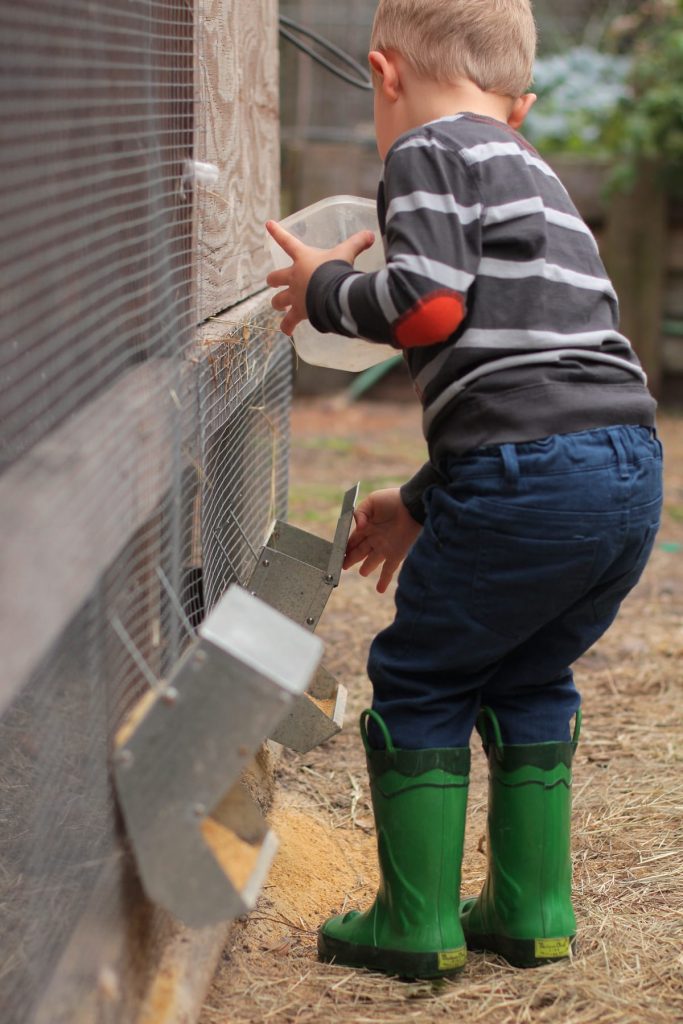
x=526, y=554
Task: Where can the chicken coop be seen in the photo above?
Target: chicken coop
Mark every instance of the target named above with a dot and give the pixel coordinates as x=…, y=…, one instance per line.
x=144, y=402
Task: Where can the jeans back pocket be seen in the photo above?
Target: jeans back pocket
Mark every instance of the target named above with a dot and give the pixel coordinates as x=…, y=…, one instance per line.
x=521, y=583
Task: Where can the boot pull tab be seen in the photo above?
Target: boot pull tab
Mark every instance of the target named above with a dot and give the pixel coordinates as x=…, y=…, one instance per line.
x=381, y=725
x=487, y=717
x=577, y=728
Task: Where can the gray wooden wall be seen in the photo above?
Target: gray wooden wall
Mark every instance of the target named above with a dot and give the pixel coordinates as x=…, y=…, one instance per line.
x=142, y=324
x=237, y=82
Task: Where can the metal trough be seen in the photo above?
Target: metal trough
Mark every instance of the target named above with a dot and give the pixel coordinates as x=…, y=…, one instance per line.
x=296, y=573
x=202, y=847
x=315, y=716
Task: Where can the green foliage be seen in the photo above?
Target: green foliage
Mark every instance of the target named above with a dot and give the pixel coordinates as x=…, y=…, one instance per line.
x=648, y=124
x=578, y=92
x=624, y=101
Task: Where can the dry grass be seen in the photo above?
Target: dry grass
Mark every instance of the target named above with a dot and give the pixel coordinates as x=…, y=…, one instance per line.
x=628, y=822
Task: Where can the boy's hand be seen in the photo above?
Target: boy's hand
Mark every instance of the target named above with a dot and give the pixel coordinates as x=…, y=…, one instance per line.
x=305, y=259
x=384, y=533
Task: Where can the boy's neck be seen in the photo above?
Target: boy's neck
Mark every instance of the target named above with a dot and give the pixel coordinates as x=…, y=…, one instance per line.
x=404, y=100
x=425, y=101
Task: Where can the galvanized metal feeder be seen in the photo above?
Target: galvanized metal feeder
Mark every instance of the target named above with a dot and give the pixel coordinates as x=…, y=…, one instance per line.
x=296, y=573
x=201, y=844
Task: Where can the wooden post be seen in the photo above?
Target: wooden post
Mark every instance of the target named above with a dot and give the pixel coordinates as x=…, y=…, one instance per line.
x=635, y=255
x=238, y=130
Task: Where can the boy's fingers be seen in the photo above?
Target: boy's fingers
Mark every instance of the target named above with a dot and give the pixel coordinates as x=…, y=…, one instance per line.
x=362, y=516
x=276, y=278
x=288, y=242
x=357, y=537
x=355, y=245
x=357, y=553
x=351, y=559
x=282, y=301
x=371, y=563
x=386, y=576
x=289, y=322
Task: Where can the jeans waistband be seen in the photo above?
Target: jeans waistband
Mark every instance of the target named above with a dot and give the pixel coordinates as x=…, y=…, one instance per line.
x=600, y=446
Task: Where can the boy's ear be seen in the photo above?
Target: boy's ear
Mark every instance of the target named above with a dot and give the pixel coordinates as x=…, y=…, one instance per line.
x=386, y=73
x=521, y=108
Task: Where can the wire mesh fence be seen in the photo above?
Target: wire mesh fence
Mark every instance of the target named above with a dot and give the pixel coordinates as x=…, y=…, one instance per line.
x=237, y=504
x=97, y=120
x=140, y=465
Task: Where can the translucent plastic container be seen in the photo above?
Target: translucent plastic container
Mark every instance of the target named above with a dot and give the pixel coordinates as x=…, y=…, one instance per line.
x=324, y=225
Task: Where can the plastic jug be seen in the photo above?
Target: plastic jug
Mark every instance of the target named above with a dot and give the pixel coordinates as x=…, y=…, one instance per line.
x=324, y=225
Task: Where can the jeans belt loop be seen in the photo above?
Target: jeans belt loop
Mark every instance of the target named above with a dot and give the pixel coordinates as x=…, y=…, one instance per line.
x=620, y=452
x=508, y=454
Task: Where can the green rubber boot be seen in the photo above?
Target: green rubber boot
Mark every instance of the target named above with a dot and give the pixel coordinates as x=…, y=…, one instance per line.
x=412, y=929
x=524, y=911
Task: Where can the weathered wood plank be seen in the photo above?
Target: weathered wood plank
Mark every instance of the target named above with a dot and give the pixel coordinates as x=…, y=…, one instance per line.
x=238, y=130
x=74, y=500
x=673, y=296
x=672, y=354
x=635, y=254
x=675, y=249
x=184, y=975
x=224, y=344
x=174, y=995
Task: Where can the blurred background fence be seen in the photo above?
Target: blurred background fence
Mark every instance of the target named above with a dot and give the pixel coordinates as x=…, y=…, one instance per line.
x=144, y=435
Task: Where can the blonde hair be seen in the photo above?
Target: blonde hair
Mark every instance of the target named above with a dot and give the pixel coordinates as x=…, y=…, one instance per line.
x=489, y=42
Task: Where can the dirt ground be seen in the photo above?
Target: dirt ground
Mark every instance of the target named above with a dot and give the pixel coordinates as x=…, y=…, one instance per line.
x=628, y=793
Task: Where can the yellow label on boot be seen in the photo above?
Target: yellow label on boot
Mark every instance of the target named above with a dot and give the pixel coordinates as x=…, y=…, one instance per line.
x=549, y=948
x=452, y=959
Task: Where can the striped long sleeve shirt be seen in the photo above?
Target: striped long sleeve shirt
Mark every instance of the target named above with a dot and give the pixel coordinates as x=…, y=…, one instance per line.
x=494, y=291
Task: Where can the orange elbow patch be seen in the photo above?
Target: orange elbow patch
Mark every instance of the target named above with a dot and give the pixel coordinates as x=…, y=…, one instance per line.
x=431, y=320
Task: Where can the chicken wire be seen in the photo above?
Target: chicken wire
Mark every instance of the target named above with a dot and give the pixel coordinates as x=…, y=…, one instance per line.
x=245, y=392
x=139, y=470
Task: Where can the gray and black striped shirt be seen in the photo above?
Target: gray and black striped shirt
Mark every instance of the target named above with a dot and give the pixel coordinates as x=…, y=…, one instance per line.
x=495, y=292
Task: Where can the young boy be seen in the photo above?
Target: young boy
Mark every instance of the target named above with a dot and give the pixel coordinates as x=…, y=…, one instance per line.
x=535, y=514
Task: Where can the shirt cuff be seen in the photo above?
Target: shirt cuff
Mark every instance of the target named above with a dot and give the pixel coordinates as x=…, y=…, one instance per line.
x=321, y=306
x=412, y=491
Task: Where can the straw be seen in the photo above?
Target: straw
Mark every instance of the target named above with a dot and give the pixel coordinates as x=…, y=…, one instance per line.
x=628, y=797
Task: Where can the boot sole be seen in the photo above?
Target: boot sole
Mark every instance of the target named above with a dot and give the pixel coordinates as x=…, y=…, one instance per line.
x=521, y=952
x=441, y=964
